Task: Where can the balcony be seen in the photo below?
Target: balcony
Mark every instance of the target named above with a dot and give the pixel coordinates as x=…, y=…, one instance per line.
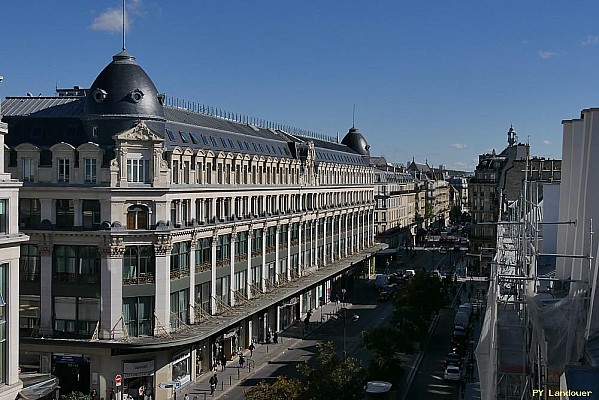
x=142, y=279
x=179, y=273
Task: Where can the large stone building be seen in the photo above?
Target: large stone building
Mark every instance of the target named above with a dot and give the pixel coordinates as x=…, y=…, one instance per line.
x=10, y=241
x=498, y=182
x=163, y=236
x=433, y=201
x=395, y=194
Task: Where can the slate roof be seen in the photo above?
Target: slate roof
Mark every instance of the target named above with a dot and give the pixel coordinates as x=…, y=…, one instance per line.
x=185, y=128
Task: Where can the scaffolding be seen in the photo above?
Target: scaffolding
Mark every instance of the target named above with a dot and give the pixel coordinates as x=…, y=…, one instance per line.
x=534, y=324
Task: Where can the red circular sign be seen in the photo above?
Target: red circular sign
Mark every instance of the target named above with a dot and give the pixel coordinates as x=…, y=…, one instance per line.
x=117, y=380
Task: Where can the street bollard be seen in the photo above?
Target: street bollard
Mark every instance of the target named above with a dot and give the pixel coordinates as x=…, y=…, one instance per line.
x=230, y=382
x=267, y=349
x=238, y=373
x=222, y=385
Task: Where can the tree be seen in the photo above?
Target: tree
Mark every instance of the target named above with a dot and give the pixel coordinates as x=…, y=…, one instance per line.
x=330, y=378
x=421, y=295
x=282, y=388
x=385, y=343
x=75, y=396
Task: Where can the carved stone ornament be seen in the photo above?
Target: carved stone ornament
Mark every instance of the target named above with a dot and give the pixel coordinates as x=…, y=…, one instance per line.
x=113, y=247
x=162, y=246
x=138, y=132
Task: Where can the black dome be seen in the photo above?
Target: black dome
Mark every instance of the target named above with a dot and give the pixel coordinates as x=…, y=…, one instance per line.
x=124, y=90
x=355, y=141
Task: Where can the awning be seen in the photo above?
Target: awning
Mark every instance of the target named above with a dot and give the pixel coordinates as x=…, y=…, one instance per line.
x=36, y=386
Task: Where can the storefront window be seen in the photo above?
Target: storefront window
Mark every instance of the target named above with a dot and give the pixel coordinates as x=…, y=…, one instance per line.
x=181, y=368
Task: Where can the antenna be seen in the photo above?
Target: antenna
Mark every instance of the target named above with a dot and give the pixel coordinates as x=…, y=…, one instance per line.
x=353, y=117
x=123, y=24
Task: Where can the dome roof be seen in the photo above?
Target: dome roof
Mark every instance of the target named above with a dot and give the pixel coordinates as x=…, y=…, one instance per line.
x=355, y=141
x=123, y=89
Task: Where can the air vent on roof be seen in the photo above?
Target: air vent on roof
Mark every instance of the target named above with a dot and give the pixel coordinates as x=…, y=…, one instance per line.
x=254, y=128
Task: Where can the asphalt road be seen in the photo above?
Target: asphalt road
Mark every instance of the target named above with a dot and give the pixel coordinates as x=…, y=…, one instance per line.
x=370, y=312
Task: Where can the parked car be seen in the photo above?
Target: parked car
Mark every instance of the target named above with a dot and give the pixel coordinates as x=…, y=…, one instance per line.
x=452, y=373
x=384, y=295
x=453, y=359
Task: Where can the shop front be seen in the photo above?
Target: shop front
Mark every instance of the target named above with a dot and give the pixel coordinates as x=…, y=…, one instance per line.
x=138, y=380
x=182, y=366
x=72, y=371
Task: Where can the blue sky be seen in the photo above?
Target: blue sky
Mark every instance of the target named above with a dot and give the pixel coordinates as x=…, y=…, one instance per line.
x=436, y=80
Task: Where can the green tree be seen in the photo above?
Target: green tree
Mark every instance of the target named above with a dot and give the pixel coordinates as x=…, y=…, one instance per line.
x=75, y=396
x=331, y=377
x=282, y=388
x=421, y=295
x=386, y=343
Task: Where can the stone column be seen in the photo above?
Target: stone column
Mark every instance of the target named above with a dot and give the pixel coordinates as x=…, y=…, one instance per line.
x=315, y=256
x=192, y=277
x=264, y=269
x=213, y=306
x=162, y=304
x=111, y=289
x=47, y=210
x=249, y=263
x=300, y=256
x=232, y=267
x=277, y=256
x=288, y=272
x=46, y=288
x=77, y=212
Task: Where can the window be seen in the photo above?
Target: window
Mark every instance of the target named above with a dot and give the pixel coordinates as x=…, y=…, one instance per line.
x=179, y=308
x=63, y=170
x=240, y=282
x=138, y=170
x=90, y=170
x=184, y=137
x=91, y=214
x=224, y=142
x=203, y=295
x=175, y=171
x=76, y=316
x=138, y=315
x=241, y=246
x=137, y=217
x=180, y=260
x=76, y=264
x=205, y=140
x=271, y=237
x=203, y=251
x=222, y=288
x=138, y=265
x=28, y=170
x=29, y=263
x=3, y=325
x=194, y=138
x=223, y=249
x=256, y=241
x=170, y=134
x=186, y=169
x=4, y=216
x=214, y=142
x=65, y=214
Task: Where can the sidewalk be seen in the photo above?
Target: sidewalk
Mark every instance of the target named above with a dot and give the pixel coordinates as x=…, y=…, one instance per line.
x=233, y=375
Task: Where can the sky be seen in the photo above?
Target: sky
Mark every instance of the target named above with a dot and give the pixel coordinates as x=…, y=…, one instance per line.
x=437, y=81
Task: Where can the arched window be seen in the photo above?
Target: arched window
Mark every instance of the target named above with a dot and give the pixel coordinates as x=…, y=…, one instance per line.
x=29, y=213
x=29, y=263
x=137, y=217
x=180, y=260
x=138, y=265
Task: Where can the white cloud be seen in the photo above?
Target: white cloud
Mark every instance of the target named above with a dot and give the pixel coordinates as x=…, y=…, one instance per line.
x=458, y=146
x=546, y=141
x=111, y=19
x=545, y=55
x=590, y=40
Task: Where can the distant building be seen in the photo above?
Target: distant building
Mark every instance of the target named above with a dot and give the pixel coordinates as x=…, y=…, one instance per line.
x=497, y=183
x=395, y=194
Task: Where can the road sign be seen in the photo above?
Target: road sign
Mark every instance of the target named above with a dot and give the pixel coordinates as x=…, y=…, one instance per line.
x=168, y=385
x=117, y=380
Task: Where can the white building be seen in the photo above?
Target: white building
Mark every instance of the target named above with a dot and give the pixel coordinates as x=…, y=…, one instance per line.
x=10, y=241
x=165, y=234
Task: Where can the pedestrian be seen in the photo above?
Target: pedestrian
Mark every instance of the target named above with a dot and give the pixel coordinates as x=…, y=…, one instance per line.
x=223, y=362
x=94, y=395
x=241, y=360
x=251, y=348
x=213, y=382
x=276, y=337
